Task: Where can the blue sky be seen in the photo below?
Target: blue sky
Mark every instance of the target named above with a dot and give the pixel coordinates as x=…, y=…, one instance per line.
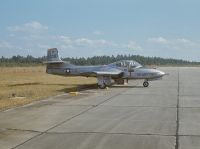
x=165, y=28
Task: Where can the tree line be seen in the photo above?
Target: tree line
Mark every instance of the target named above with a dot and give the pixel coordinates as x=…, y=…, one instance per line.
x=95, y=60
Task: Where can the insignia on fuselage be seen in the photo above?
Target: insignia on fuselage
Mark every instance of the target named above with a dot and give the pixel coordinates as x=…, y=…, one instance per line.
x=67, y=70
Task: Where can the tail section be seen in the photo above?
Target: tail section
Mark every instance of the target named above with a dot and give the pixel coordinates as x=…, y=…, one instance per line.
x=54, y=63
x=53, y=57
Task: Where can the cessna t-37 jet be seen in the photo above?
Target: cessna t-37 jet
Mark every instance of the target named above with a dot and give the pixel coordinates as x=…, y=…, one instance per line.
x=116, y=72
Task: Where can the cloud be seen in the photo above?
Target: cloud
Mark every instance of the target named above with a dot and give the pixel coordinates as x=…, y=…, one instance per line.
x=65, y=39
x=133, y=46
x=30, y=27
x=186, y=42
x=91, y=43
x=159, y=40
x=43, y=46
x=5, y=44
x=37, y=44
x=173, y=43
x=84, y=42
x=98, y=33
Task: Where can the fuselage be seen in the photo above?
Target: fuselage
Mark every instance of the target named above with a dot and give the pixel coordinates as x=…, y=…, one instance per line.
x=73, y=70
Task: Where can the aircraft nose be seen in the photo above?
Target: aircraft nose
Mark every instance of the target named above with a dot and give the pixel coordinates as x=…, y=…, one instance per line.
x=161, y=73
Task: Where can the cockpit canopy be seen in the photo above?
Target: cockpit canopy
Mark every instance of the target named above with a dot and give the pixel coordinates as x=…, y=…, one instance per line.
x=128, y=63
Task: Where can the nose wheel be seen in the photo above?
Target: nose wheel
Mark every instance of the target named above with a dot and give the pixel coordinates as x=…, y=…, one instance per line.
x=146, y=84
x=102, y=86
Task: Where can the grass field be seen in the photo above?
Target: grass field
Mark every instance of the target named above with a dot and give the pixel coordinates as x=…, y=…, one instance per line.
x=22, y=85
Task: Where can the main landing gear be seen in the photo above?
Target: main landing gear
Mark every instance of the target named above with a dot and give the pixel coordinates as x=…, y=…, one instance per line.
x=102, y=86
x=146, y=84
x=104, y=81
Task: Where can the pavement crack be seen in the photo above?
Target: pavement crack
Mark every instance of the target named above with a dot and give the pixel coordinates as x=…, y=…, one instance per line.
x=92, y=107
x=27, y=141
x=13, y=129
x=111, y=133
x=126, y=106
x=46, y=131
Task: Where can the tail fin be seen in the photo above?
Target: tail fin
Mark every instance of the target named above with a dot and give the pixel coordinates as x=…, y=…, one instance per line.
x=52, y=56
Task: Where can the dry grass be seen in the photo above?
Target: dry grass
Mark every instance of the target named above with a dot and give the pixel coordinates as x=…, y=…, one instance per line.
x=22, y=85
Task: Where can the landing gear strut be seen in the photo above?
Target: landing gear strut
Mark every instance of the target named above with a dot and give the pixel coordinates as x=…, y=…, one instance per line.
x=146, y=84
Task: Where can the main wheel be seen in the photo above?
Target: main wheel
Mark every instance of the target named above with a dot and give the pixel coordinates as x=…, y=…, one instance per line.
x=102, y=86
x=146, y=84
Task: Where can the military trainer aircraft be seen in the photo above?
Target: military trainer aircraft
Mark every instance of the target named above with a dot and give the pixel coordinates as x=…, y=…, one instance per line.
x=116, y=72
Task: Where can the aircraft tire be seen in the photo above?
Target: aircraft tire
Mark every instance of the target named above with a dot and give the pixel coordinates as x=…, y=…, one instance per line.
x=102, y=86
x=146, y=84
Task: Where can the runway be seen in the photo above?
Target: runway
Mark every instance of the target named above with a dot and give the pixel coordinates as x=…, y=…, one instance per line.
x=166, y=115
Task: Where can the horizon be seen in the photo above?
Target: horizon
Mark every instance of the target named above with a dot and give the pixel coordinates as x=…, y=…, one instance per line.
x=166, y=29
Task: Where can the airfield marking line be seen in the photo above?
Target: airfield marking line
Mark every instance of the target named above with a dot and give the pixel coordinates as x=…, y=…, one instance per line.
x=177, y=113
x=91, y=107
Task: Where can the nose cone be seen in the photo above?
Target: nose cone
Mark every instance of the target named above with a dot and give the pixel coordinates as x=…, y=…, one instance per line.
x=161, y=73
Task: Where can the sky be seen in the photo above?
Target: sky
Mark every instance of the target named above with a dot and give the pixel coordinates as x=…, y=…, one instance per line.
x=84, y=28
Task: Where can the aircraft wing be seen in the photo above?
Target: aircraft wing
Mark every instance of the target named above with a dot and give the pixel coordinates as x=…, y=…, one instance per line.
x=108, y=72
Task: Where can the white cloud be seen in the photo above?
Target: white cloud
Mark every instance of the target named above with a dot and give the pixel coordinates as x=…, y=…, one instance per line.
x=91, y=42
x=83, y=42
x=30, y=27
x=5, y=44
x=65, y=39
x=98, y=33
x=186, y=42
x=43, y=46
x=133, y=46
x=84, y=46
x=67, y=42
x=178, y=43
x=159, y=40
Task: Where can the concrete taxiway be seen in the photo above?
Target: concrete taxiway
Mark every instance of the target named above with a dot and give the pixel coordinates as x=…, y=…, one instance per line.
x=165, y=115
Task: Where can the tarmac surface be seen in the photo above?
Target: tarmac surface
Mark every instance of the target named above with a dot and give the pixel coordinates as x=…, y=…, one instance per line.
x=166, y=115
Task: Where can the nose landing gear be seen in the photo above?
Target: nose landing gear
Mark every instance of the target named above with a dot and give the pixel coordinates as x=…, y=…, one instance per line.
x=102, y=86
x=146, y=84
